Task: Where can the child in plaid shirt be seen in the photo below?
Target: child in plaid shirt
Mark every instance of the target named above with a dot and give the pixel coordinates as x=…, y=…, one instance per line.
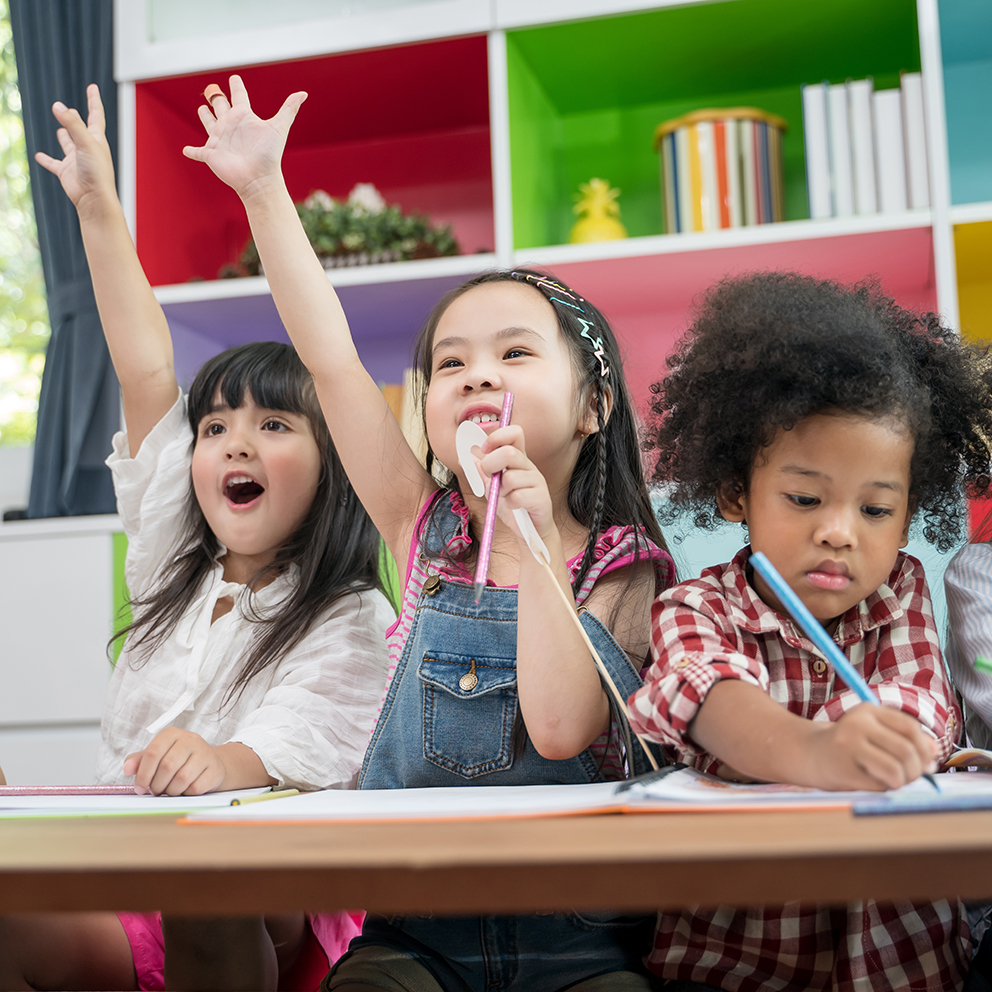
x=822, y=419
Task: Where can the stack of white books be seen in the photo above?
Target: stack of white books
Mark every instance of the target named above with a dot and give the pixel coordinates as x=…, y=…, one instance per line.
x=866, y=149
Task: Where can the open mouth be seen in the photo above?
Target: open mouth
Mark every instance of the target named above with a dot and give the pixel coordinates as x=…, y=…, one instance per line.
x=241, y=490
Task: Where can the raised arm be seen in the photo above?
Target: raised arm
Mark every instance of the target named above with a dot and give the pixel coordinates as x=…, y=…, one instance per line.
x=245, y=152
x=133, y=322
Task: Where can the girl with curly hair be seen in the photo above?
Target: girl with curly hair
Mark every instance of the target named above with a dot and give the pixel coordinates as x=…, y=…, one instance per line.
x=824, y=419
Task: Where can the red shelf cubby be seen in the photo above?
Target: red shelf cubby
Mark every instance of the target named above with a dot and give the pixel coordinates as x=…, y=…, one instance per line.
x=412, y=119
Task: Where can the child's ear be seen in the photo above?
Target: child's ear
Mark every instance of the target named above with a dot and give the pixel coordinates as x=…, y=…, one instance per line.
x=910, y=511
x=590, y=418
x=732, y=502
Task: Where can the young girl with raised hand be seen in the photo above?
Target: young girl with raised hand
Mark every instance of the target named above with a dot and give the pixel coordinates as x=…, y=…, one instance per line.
x=256, y=656
x=822, y=419
x=502, y=691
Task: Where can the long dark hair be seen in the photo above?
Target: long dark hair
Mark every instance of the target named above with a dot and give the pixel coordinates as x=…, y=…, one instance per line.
x=607, y=486
x=336, y=547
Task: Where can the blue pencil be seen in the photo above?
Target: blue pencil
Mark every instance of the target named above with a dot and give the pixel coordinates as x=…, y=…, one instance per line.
x=817, y=634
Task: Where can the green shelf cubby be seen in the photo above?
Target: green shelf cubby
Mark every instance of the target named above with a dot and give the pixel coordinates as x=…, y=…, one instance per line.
x=585, y=97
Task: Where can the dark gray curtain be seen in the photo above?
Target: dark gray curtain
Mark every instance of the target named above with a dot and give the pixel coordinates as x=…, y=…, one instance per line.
x=60, y=46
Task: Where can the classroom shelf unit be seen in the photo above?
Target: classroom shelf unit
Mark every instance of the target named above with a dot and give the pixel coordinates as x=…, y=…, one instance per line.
x=488, y=115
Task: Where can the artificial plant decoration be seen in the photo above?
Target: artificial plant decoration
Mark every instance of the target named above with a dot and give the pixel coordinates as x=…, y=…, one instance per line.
x=362, y=230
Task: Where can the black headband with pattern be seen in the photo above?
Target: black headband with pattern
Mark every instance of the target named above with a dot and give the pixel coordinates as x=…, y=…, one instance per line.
x=549, y=287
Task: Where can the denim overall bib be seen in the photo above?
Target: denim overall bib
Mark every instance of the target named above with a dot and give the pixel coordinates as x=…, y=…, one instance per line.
x=448, y=720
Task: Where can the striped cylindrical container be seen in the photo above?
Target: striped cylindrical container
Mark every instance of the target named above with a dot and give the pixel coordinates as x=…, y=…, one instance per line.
x=721, y=168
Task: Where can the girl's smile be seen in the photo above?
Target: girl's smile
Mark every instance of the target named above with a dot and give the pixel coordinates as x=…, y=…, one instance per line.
x=504, y=336
x=828, y=503
x=484, y=414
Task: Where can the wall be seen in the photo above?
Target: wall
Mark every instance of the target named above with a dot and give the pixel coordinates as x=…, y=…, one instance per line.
x=15, y=477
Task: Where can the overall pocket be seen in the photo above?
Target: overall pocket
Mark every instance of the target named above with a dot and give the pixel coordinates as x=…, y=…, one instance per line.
x=470, y=703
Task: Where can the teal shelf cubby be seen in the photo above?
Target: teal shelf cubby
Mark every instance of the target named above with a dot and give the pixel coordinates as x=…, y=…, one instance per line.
x=966, y=44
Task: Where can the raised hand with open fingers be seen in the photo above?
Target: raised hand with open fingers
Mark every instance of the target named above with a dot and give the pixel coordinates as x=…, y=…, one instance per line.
x=86, y=167
x=241, y=148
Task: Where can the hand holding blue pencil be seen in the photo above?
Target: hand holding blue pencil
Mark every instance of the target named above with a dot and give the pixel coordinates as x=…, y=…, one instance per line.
x=815, y=631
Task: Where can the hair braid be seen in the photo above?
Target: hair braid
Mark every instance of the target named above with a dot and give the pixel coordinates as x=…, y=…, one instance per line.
x=600, y=501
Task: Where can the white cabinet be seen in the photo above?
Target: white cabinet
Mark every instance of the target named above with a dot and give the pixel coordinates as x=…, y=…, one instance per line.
x=56, y=612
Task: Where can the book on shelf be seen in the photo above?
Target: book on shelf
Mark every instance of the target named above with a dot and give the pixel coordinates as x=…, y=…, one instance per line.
x=890, y=156
x=915, y=139
x=859, y=102
x=839, y=131
x=817, y=150
x=867, y=147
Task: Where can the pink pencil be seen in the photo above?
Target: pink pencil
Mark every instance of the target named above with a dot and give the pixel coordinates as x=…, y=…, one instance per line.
x=486, y=545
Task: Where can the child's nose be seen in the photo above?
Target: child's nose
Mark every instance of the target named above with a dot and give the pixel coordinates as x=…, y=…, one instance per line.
x=482, y=377
x=238, y=446
x=837, y=529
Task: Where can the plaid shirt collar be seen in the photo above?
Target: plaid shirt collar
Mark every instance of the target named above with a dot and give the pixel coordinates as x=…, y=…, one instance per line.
x=749, y=612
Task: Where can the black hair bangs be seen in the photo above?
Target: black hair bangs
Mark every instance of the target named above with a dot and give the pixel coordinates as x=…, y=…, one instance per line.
x=270, y=372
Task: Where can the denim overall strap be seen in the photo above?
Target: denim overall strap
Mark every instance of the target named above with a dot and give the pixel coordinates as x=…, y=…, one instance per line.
x=450, y=712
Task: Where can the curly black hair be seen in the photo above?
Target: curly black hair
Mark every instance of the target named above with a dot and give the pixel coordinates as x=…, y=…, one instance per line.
x=767, y=350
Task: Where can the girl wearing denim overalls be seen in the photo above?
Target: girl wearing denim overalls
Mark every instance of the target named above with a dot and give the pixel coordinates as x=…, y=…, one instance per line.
x=502, y=692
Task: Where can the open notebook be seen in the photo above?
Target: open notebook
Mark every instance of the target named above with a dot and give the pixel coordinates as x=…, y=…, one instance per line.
x=674, y=789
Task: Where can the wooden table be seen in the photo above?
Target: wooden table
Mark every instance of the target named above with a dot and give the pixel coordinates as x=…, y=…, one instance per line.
x=630, y=862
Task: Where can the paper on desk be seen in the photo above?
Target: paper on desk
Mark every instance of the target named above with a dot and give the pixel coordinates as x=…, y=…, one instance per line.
x=371, y=805
x=90, y=804
x=670, y=790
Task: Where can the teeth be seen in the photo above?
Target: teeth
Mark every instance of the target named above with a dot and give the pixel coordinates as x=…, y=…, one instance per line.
x=484, y=418
x=237, y=480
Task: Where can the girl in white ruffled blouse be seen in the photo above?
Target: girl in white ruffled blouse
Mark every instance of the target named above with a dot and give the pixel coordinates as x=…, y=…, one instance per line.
x=256, y=655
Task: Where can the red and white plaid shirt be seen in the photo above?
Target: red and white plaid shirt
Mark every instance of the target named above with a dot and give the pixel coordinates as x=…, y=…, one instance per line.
x=717, y=627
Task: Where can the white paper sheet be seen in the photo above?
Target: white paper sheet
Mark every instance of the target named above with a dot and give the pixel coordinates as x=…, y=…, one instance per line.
x=19, y=807
x=677, y=790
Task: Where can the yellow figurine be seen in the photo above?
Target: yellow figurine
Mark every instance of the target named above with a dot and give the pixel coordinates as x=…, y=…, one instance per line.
x=598, y=212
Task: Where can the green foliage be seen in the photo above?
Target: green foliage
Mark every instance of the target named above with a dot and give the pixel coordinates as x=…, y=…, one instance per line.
x=24, y=329
x=360, y=230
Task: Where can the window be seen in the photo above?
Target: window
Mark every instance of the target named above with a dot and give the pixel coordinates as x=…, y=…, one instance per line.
x=24, y=328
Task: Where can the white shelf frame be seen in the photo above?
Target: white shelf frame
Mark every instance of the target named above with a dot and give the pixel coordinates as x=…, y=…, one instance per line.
x=137, y=58
x=311, y=39
x=932, y=68
x=356, y=275
x=971, y=213
x=550, y=255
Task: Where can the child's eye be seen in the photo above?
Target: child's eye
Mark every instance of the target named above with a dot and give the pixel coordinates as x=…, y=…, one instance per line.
x=802, y=500
x=876, y=511
x=449, y=363
x=274, y=425
x=515, y=353
x=212, y=430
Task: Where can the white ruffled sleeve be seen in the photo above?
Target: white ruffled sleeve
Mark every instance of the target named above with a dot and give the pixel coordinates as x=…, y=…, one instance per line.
x=314, y=723
x=152, y=490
